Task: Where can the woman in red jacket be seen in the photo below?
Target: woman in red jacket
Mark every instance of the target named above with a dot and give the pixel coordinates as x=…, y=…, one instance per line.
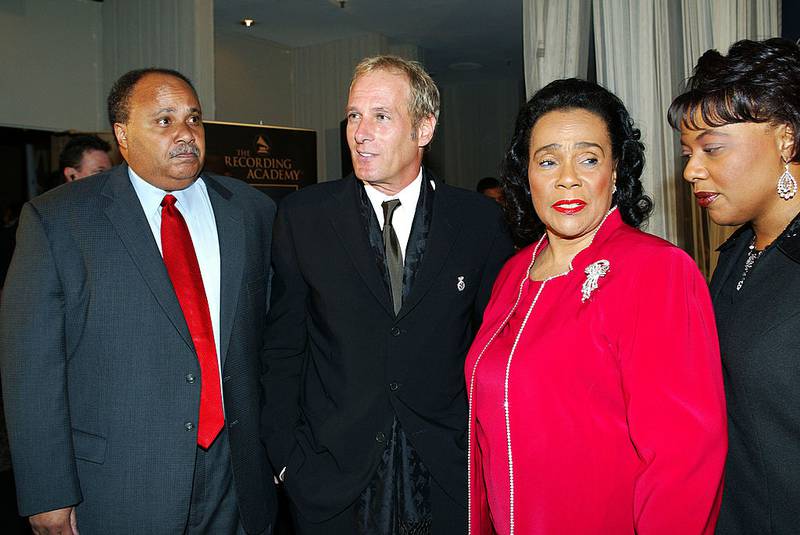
x=596, y=399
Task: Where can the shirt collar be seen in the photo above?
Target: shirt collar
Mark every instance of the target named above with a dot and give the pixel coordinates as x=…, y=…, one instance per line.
x=408, y=196
x=608, y=226
x=788, y=241
x=150, y=196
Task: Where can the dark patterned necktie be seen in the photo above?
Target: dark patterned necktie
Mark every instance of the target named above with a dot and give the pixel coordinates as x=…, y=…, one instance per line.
x=394, y=258
x=184, y=272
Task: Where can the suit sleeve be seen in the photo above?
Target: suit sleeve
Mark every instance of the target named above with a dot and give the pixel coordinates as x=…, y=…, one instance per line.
x=33, y=364
x=500, y=250
x=285, y=346
x=672, y=380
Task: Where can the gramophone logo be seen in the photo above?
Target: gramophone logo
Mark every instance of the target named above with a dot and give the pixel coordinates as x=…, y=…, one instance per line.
x=259, y=163
x=262, y=146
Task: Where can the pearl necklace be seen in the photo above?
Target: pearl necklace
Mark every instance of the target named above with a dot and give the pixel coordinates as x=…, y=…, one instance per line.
x=506, y=412
x=752, y=256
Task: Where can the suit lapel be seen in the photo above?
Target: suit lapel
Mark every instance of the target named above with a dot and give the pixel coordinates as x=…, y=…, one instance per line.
x=441, y=237
x=345, y=217
x=124, y=212
x=230, y=231
x=420, y=227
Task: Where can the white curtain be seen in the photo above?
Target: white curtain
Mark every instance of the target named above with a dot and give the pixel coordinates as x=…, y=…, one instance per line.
x=718, y=24
x=556, y=40
x=636, y=48
x=644, y=49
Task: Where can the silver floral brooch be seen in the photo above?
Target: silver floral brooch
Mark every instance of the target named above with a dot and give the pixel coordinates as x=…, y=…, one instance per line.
x=593, y=273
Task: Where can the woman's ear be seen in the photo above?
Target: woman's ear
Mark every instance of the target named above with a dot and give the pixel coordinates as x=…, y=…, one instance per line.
x=786, y=142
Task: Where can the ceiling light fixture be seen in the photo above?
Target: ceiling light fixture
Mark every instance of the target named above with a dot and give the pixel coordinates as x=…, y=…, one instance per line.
x=247, y=22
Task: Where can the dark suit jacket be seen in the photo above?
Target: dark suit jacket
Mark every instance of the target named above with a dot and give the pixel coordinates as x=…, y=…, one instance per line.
x=341, y=365
x=96, y=358
x=760, y=346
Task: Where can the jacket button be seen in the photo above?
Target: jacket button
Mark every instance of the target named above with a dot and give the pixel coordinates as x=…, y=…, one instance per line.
x=190, y=378
x=395, y=331
x=380, y=437
x=188, y=426
x=393, y=386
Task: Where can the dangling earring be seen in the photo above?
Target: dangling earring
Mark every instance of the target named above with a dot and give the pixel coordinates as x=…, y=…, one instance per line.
x=787, y=185
x=614, y=189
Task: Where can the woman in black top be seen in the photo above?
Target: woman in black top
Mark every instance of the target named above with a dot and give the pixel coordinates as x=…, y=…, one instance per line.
x=739, y=121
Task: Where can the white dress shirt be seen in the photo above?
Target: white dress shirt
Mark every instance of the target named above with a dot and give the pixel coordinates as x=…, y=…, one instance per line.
x=403, y=216
x=195, y=206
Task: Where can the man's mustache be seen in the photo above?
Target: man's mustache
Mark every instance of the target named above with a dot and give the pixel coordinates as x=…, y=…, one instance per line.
x=184, y=148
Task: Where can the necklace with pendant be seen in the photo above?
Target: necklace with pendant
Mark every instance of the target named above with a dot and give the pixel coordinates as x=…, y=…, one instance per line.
x=752, y=256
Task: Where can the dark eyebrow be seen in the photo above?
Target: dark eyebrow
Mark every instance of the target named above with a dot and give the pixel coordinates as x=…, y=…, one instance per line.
x=173, y=110
x=579, y=145
x=712, y=132
x=547, y=147
x=588, y=144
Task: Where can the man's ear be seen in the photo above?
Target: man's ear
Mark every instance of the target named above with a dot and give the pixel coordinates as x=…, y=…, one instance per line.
x=425, y=130
x=70, y=174
x=121, y=133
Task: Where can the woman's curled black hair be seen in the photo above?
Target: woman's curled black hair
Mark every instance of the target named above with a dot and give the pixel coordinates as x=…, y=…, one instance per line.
x=627, y=151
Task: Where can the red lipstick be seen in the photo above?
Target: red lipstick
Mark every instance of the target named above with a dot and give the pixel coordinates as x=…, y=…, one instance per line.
x=569, y=206
x=705, y=198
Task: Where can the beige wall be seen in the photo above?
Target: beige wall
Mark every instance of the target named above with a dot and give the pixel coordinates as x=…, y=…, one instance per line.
x=51, y=60
x=174, y=34
x=60, y=57
x=253, y=81
x=64, y=55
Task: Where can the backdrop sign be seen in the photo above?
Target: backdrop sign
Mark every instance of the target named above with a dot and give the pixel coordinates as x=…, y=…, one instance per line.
x=276, y=160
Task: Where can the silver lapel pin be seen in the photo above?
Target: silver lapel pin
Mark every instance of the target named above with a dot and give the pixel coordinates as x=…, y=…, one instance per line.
x=461, y=284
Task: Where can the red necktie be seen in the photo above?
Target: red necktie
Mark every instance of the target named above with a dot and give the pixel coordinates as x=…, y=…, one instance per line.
x=184, y=271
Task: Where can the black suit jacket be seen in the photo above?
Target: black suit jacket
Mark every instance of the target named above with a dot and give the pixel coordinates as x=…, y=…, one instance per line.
x=96, y=357
x=760, y=347
x=341, y=365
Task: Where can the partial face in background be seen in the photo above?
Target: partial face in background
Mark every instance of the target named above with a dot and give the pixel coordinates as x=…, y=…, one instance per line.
x=571, y=172
x=733, y=169
x=385, y=146
x=92, y=162
x=163, y=140
x=496, y=194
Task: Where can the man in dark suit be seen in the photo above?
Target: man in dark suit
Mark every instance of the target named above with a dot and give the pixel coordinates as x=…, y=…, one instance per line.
x=380, y=285
x=130, y=335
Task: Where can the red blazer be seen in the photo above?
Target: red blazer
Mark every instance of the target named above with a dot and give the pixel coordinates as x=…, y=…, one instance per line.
x=616, y=413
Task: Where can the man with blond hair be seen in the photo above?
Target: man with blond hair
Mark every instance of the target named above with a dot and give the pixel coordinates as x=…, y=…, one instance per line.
x=379, y=288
